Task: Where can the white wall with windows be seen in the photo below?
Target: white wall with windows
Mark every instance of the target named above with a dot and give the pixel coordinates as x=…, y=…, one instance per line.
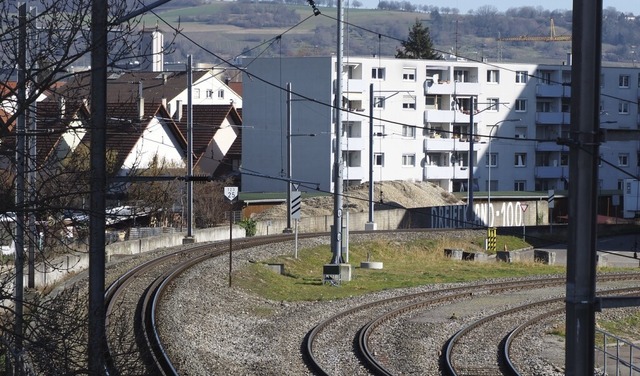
x=421, y=115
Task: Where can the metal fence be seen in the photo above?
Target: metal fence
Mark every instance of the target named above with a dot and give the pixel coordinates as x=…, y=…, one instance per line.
x=616, y=356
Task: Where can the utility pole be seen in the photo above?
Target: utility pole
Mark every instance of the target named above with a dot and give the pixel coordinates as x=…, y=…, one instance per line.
x=336, y=238
x=97, y=224
x=289, y=163
x=20, y=189
x=371, y=225
x=583, y=182
x=189, y=238
x=471, y=216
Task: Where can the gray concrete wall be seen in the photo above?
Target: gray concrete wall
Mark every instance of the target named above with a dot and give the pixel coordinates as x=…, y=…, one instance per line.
x=384, y=219
x=59, y=268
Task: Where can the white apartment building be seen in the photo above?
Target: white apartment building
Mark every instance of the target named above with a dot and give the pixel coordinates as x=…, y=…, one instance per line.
x=421, y=114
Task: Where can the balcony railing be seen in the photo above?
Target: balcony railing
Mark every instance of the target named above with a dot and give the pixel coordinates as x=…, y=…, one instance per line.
x=553, y=118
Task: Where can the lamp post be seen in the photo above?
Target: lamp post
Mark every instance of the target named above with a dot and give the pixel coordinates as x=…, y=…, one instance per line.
x=490, y=162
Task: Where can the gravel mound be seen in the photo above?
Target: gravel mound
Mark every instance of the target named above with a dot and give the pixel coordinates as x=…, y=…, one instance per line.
x=387, y=195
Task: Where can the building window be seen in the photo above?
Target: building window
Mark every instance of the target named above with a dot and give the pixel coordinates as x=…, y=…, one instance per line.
x=408, y=131
x=221, y=93
x=520, y=160
x=492, y=160
x=378, y=102
x=521, y=105
x=545, y=77
x=378, y=159
x=520, y=132
x=623, y=108
x=460, y=75
x=564, y=159
x=520, y=185
x=352, y=129
x=408, y=102
x=620, y=184
x=409, y=74
x=623, y=159
x=409, y=160
x=377, y=73
x=623, y=81
x=543, y=106
x=493, y=76
x=494, y=104
x=209, y=93
x=196, y=93
x=522, y=77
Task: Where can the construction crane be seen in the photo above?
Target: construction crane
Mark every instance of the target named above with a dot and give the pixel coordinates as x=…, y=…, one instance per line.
x=551, y=38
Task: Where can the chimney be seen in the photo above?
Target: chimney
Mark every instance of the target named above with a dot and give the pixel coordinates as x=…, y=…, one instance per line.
x=569, y=58
x=177, y=116
x=140, y=101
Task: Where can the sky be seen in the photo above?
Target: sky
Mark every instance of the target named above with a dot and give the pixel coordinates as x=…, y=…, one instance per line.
x=465, y=5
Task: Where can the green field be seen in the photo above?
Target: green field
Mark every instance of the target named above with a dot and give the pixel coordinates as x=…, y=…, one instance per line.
x=408, y=264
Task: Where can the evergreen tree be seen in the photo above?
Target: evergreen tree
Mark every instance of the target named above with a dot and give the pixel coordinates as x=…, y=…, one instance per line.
x=418, y=45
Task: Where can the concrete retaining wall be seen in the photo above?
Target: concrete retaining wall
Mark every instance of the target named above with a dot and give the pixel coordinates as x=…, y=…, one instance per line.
x=59, y=268
x=385, y=220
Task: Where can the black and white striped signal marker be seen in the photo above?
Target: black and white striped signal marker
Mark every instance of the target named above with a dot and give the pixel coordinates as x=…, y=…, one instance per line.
x=296, y=204
x=551, y=198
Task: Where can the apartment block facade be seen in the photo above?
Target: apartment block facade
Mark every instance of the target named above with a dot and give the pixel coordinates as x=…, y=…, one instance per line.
x=422, y=119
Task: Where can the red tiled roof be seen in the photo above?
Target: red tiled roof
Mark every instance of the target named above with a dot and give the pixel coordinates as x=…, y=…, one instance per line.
x=206, y=121
x=124, y=87
x=124, y=129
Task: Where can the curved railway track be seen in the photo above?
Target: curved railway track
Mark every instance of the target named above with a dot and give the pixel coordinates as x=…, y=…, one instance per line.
x=140, y=351
x=417, y=303
x=326, y=348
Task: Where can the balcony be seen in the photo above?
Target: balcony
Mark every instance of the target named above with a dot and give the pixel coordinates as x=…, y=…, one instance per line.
x=354, y=143
x=467, y=88
x=550, y=145
x=354, y=173
x=353, y=86
x=553, y=118
x=553, y=91
x=439, y=116
x=551, y=172
x=444, y=172
x=448, y=144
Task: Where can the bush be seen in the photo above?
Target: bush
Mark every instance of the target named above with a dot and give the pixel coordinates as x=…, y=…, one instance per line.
x=249, y=225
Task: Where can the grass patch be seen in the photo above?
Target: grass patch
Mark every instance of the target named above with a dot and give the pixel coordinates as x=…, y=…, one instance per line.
x=627, y=327
x=406, y=264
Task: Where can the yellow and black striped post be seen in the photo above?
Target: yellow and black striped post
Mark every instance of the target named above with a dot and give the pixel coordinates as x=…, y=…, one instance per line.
x=491, y=236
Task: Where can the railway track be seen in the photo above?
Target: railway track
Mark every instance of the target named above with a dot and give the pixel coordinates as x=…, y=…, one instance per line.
x=377, y=358
x=328, y=348
x=134, y=345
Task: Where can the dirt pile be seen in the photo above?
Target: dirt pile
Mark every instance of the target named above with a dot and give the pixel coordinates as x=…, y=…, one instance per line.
x=387, y=195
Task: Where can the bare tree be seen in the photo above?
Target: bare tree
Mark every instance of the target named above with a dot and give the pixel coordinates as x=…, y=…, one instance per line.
x=44, y=168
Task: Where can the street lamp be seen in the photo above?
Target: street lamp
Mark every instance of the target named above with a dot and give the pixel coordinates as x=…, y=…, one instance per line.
x=490, y=162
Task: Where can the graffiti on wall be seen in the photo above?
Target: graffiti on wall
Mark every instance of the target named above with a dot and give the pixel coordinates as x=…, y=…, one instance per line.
x=494, y=214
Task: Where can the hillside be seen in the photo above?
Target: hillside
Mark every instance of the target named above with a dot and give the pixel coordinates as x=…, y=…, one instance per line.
x=224, y=30
x=387, y=195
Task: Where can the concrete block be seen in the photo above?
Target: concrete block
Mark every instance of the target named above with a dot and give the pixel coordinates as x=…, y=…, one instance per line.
x=601, y=260
x=336, y=273
x=545, y=257
x=455, y=254
x=371, y=265
x=507, y=256
x=278, y=268
x=474, y=256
